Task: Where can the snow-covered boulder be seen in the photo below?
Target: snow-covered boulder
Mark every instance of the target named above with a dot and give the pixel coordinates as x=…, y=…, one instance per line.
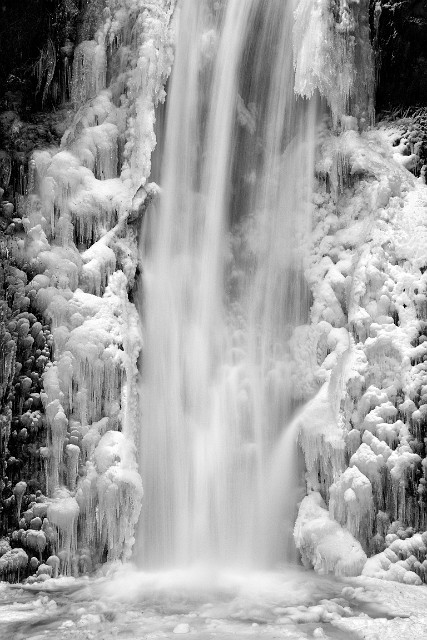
x=323, y=543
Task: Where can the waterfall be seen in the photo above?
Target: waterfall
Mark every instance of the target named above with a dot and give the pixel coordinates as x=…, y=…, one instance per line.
x=223, y=288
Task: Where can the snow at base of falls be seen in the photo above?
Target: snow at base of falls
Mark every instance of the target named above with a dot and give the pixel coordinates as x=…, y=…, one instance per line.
x=294, y=604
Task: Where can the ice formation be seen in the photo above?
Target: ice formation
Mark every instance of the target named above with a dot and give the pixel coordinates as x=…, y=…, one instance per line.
x=367, y=274
x=83, y=199
x=332, y=54
x=80, y=241
x=323, y=543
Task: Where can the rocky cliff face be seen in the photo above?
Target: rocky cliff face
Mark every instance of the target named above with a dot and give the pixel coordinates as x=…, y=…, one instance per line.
x=31, y=38
x=68, y=221
x=399, y=36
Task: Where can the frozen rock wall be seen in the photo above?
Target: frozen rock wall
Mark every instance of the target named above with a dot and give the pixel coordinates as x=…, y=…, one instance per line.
x=70, y=331
x=332, y=54
x=367, y=273
x=362, y=428
x=398, y=30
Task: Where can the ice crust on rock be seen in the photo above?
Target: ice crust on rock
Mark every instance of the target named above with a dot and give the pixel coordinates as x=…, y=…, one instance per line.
x=13, y=562
x=119, y=492
x=332, y=54
x=323, y=543
x=62, y=512
x=81, y=242
x=366, y=269
x=400, y=561
x=350, y=503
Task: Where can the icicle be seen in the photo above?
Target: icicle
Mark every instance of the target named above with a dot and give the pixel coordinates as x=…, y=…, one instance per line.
x=351, y=503
x=332, y=53
x=72, y=452
x=89, y=71
x=18, y=491
x=63, y=513
x=87, y=499
x=119, y=490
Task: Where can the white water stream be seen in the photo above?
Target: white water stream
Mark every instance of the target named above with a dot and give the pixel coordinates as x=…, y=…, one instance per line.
x=223, y=289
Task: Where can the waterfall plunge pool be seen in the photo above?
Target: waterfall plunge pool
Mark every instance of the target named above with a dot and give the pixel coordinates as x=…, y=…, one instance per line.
x=207, y=604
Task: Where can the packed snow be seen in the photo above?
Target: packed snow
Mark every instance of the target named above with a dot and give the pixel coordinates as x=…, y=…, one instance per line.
x=207, y=604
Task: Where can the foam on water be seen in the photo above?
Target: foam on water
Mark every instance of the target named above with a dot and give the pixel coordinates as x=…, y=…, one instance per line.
x=131, y=604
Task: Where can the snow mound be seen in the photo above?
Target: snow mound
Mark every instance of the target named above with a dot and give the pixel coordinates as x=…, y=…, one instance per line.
x=323, y=543
x=382, y=566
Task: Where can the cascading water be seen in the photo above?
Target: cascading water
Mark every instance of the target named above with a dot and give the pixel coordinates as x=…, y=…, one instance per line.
x=223, y=289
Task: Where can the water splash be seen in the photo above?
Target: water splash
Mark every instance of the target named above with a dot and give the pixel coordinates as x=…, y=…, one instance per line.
x=223, y=289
